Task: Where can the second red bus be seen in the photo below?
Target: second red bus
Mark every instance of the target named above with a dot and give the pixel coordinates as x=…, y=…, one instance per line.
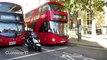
x=49, y=21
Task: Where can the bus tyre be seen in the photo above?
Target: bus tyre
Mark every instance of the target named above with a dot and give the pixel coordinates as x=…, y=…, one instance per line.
x=38, y=48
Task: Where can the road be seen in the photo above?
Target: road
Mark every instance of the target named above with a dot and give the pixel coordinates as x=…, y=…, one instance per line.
x=53, y=52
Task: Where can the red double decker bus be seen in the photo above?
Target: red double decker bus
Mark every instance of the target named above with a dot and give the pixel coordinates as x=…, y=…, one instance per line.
x=11, y=24
x=49, y=21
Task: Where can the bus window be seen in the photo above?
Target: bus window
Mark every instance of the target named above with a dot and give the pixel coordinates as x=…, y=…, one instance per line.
x=11, y=30
x=58, y=27
x=44, y=27
x=7, y=7
x=46, y=7
x=57, y=7
x=54, y=27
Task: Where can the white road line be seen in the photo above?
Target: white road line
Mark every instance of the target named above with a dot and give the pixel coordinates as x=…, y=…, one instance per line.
x=44, y=48
x=75, y=56
x=36, y=53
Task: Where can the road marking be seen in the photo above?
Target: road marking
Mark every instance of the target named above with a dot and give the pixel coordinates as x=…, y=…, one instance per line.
x=67, y=57
x=44, y=48
x=75, y=56
x=36, y=53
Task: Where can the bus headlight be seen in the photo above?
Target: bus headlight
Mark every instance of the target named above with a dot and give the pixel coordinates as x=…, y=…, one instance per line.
x=53, y=39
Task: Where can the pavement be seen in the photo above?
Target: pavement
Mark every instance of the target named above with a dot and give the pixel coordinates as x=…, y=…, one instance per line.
x=99, y=41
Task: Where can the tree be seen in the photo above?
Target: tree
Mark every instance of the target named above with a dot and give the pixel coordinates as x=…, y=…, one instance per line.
x=91, y=6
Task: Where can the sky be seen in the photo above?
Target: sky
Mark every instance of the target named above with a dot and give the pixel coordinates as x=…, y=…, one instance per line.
x=27, y=5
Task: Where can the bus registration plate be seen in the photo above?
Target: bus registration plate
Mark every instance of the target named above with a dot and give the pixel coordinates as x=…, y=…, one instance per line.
x=12, y=43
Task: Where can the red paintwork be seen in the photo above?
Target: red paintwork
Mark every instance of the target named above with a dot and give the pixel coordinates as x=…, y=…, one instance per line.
x=46, y=37
x=19, y=40
x=58, y=3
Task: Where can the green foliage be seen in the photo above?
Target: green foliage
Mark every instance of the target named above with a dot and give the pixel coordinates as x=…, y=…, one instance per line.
x=98, y=5
x=74, y=4
x=67, y=3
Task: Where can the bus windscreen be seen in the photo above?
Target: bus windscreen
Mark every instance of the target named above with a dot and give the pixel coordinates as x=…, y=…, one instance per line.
x=13, y=29
x=58, y=28
x=57, y=7
x=11, y=8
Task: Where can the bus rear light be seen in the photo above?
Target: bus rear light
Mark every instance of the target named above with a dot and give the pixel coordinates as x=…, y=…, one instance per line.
x=53, y=39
